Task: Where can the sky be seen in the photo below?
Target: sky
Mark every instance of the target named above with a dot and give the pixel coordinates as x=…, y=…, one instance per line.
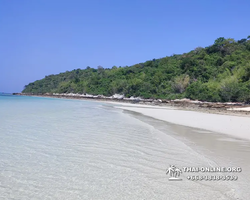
x=43, y=37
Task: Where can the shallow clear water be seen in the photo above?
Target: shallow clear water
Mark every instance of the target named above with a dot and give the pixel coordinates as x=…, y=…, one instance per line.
x=72, y=149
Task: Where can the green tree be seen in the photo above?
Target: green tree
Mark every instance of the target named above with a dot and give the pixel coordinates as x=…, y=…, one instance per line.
x=180, y=83
x=230, y=89
x=220, y=72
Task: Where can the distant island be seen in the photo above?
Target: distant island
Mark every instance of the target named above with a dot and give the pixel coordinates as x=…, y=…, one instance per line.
x=217, y=73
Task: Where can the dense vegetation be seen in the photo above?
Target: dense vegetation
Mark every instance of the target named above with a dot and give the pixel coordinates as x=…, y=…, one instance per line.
x=220, y=72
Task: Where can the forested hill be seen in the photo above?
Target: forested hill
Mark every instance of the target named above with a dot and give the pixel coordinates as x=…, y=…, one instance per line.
x=220, y=72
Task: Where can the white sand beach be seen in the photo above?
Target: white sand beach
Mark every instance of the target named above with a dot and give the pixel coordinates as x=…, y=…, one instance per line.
x=236, y=126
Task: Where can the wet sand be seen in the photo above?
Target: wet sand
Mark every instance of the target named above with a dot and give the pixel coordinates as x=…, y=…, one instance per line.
x=221, y=140
x=236, y=126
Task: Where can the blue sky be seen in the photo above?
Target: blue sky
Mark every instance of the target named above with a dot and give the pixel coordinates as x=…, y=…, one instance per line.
x=43, y=37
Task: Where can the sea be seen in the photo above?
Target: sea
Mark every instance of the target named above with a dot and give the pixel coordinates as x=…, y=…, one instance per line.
x=76, y=149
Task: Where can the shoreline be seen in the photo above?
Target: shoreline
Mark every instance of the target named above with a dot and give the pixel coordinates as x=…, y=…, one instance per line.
x=234, y=109
x=229, y=125
x=220, y=120
x=235, y=123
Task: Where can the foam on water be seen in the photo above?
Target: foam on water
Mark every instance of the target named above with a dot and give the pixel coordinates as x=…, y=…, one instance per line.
x=69, y=149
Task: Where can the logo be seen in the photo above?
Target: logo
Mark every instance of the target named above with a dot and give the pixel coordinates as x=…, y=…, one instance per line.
x=204, y=173
x=174, y=173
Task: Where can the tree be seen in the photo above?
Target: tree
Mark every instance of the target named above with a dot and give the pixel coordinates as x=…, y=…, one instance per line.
x=246, y=75
x=99, y=67
x=203, y=74
x=219, y=41
x=198, y=50
x=180, y=83
x=229, y=89
x=242, y=41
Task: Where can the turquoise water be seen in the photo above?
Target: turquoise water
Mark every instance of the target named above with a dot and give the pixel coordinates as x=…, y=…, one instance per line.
x=72, y=149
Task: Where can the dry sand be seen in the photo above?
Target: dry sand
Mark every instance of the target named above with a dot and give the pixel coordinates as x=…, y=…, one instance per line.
x=242, y=109
x=236, y=126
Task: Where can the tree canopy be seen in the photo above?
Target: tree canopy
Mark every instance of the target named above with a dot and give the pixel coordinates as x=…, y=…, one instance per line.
x=220, y=72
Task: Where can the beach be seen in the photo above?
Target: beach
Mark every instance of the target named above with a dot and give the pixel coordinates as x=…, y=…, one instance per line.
x=223, y=139
x=235, y=126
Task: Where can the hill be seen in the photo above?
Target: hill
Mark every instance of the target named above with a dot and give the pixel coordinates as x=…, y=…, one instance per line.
x=217, y=73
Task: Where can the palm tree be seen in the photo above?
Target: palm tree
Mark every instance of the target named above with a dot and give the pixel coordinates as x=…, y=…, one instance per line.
x=177, y=172
x=171, y=170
